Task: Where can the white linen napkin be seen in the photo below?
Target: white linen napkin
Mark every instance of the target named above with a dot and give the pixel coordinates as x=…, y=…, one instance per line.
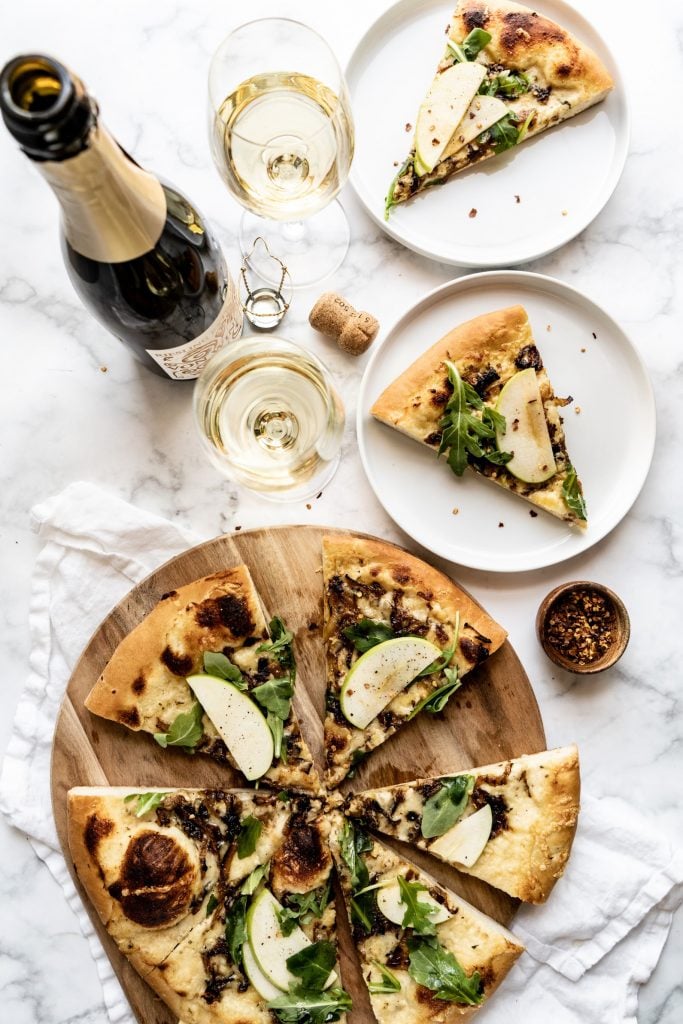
x=588, y=949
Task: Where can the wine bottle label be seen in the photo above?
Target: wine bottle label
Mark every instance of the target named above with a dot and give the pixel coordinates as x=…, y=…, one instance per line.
x=112, y=210
x=185, y=362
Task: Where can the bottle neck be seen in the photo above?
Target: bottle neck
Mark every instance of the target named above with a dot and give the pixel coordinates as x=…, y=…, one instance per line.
x=112, y=210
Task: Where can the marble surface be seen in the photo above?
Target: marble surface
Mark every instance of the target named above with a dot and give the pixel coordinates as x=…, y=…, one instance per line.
x=64, y=418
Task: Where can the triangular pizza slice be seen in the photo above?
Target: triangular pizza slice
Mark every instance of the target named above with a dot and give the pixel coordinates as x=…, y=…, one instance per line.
x=203, y=673
x=399, y=636
x=482, y=397
x=221, y=900
x=511, y=824
x=425, y=953
x=507, y=74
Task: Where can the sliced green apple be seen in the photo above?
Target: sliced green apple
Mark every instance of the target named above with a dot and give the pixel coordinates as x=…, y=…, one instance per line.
x=482, y=113
x=465, y=842
x=526, y=430
x=390, y=904
x=270, y=947
x=239, y=722
x=261, y=983
x=381, y=674
x=444, y=107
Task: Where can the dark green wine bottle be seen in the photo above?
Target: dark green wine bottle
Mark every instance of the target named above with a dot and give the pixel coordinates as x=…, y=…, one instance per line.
x=137, y=251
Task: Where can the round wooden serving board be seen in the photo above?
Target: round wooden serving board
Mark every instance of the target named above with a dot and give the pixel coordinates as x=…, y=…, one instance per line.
x=494, y=716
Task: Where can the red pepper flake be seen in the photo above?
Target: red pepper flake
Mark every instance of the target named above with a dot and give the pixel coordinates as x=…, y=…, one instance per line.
x=594, y=335
x=103, y=369
x=518, y=199
x=500, y=525
x=409, y=126
x=473, y=212
x=533, y=514
x=309, y=507
x=318, y=495
x=237, y=529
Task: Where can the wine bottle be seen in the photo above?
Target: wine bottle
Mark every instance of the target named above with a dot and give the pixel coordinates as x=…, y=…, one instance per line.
x=137, y=251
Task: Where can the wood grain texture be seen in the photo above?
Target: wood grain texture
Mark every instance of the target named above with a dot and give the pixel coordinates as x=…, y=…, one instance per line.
x=494, y=716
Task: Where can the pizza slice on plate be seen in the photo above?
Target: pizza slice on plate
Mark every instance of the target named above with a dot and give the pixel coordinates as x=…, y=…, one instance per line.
x=202, y=672
x=511, y=824
x=482, y=397
x=399, y=635
x=507, y=74
x=220, y=899
x=426, y=954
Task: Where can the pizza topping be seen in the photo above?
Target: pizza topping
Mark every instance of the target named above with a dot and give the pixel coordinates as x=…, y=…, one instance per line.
x=499, y=808
x=186, y=730
x=435, y=968
x=446, y=806
x=380, y=674
x=250, y=832
x=469, y=427
x=388, y=983
x=303, y=907
x=529, y=358
x=573, y=494
x=145, y=802
x=402, y=903
x=239, y=722
x=464, y=843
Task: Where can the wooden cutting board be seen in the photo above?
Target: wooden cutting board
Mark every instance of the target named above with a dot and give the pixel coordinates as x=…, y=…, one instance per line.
x=494, y=716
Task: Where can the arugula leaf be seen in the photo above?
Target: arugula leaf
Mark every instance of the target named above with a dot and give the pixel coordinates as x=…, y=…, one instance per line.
x=283, y=796
x=446, y=806
x=437, y=969
x=275, y=696
x=356, y=757
x=509, y=84
x=446, y=655
x=389, y=982
x=280, y=646
x=146, y=802
x=389, y=202
x=572, y=494
x=211, y=905
x=216, y=664
x=313, y=964
x=366, y=634
x=464, y=433
x=311, y=1007
x=504, y=134
x=186, y=730
x=471, y=45
x=493, y=419
x=301, y=908
x=353, y=843
x=436, y=700
x=417, y=913
x=363, y=908
x=277, y=730
x=252, y=881
x=236, y=928
x=248, y=837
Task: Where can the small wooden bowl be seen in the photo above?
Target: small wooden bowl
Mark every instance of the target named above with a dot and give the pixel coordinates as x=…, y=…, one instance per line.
x=621, y=629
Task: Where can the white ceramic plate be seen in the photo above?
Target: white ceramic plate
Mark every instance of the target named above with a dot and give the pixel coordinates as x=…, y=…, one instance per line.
x=609, y=384
x=563, y=178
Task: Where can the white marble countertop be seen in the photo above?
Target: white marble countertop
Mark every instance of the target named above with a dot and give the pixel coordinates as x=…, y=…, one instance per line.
x=64, y=419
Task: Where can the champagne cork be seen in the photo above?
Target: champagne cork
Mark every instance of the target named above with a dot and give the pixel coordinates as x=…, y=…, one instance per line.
x=334, y=316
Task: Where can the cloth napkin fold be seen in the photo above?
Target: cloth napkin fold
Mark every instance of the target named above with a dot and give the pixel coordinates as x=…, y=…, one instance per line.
x=588, y=949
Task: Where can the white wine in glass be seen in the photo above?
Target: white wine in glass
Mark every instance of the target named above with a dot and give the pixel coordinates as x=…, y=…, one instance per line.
x=282, y=140
x=270, y=418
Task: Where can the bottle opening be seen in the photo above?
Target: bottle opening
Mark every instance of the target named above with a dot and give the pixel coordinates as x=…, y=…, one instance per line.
x=35, y=85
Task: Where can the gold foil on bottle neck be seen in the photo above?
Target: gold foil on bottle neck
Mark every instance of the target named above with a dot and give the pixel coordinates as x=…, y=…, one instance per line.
x=112, y=210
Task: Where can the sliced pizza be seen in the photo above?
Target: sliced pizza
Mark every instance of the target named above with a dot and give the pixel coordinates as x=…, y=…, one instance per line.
x=511, y=824
x=426, y=954
x=399, y=636
x=202, y=673
x=221, y=900
x=507, y=74
x=481, y=396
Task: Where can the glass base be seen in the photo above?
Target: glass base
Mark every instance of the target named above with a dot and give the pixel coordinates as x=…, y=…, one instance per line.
x=311, y=249
x=301, y=492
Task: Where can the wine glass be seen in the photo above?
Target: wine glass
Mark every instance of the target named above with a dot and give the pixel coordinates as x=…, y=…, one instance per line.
x=270, y=418
x=282, y=140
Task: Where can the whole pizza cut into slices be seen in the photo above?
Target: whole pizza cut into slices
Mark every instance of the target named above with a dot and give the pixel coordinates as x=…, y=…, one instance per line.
x=482, y=397
x=399, y=636
x=221, y=900
x=426, y=954
x=203, y=673
x=511, y=824
x=507, y=74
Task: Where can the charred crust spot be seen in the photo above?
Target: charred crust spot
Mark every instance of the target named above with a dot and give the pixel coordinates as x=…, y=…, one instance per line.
x=129, y=717
x=439, y=398
x=499, y=809
x=521, y=28
x=156, y=880
x=138, y=685
x=302, y=856
x=563, y=70
x=434, y=438
x=474, y=651
x=529, y=357
x=399, y=957
x=178, y=664
x=96, y=829
x=168, y=594
x=475, y=16
x=401, y=574
x=336, y=586
x=227, y=610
